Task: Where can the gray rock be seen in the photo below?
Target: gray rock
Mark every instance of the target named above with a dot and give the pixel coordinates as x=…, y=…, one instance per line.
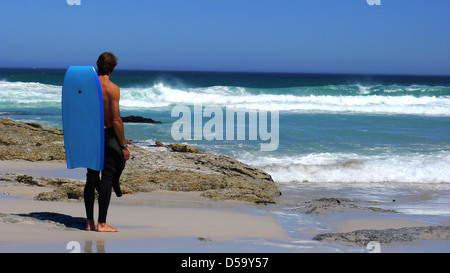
x=387, y=236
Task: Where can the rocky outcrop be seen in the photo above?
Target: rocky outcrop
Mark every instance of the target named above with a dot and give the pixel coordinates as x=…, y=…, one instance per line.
x=138, y=119
x=325, y=207
x=388, y=236
x=30, y=141
x=179, y=168
x=178, y=147
x=219, y=177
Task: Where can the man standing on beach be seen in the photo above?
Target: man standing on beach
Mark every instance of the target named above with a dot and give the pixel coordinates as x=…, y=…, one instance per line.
x=116, y=152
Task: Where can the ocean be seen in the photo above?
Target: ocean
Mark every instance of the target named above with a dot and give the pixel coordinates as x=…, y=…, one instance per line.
x=333, y=130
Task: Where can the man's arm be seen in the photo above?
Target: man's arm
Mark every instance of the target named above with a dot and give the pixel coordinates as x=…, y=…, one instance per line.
x=117, y=120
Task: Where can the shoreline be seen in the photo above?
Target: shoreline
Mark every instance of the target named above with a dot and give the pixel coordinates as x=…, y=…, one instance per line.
x=179, y=217
x=173, y=221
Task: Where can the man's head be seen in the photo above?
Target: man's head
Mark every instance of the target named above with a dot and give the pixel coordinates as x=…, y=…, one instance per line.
x=106, y=63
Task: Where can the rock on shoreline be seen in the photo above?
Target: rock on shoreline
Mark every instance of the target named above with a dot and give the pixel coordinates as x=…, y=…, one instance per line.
x=388, y=236
x=329, y=206
x=180, y=168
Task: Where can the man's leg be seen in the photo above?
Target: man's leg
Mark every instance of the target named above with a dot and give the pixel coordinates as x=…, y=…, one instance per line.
x=104, y=192
x=92, y=182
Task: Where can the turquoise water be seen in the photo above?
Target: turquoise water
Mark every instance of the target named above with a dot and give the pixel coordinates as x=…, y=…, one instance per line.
x=331, y=128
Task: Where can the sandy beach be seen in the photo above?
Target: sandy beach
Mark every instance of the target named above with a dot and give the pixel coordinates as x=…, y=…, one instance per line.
x=168, y=221
x=41, y=226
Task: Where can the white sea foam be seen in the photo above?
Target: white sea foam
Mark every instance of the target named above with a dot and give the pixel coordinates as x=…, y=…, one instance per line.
x=28, y=92
x=337, y=167
x=162, y=96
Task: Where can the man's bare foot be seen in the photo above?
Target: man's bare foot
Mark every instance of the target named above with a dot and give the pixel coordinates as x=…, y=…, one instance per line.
x=90, y=226
x=104, y=227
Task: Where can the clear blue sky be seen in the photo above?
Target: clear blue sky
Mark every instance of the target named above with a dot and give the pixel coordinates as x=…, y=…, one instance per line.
x=336, y=36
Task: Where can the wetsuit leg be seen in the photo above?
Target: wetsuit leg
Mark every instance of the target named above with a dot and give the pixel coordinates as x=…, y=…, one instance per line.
x=105, y=189
x=112, y=168
x=92, y=183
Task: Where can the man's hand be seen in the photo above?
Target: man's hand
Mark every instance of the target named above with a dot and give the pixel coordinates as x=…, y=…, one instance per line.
x=126, y=154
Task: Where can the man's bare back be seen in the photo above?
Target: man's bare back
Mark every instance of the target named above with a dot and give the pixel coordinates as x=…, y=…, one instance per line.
x=111, y=97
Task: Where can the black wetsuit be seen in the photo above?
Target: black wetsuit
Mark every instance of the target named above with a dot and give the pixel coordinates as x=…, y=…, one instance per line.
x=110, y=175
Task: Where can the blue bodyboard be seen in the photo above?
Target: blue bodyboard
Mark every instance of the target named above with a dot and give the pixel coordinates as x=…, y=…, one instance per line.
x=83, y=118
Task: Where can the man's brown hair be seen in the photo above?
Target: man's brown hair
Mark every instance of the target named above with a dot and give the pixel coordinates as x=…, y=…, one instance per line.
x=106, y=63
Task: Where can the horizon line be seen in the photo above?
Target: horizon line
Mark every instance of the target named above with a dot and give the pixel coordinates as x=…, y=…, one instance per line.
x=249, y=72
